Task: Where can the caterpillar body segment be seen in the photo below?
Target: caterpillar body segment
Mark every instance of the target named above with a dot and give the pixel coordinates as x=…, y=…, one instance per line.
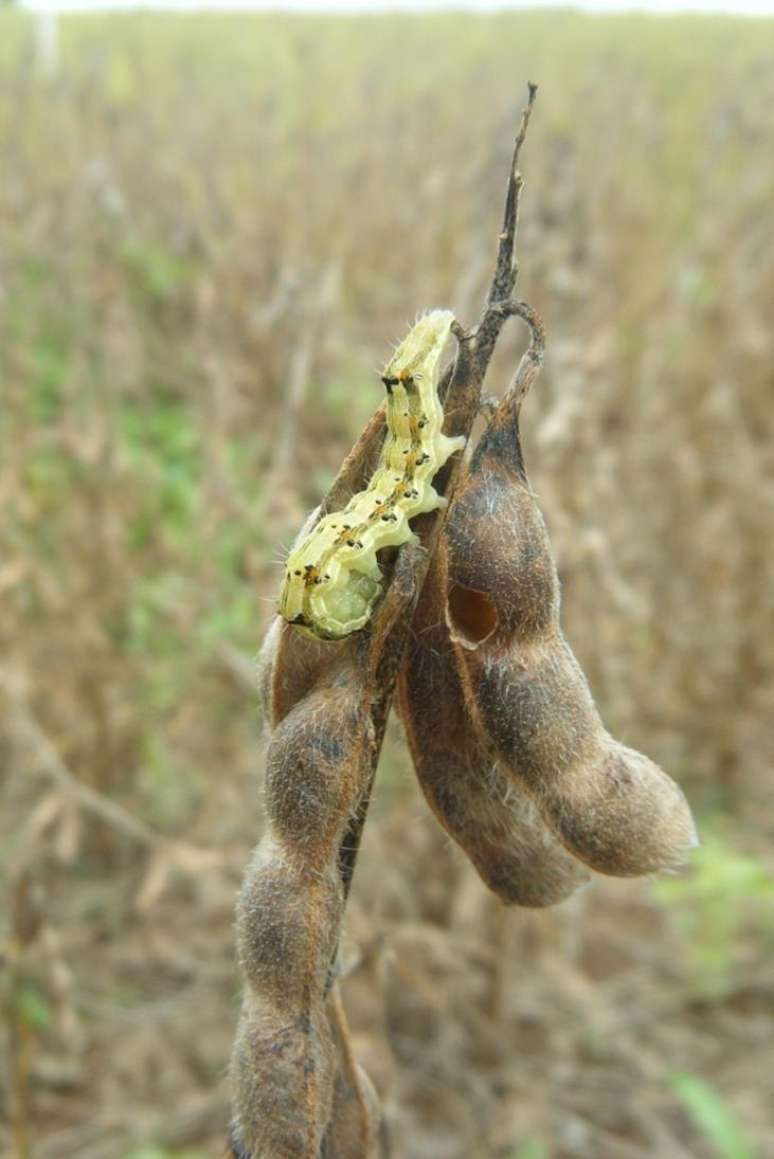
x=332, y=578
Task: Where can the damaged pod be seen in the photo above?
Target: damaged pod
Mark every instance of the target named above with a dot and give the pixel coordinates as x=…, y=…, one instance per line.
x=491, y=817
x=611, y=807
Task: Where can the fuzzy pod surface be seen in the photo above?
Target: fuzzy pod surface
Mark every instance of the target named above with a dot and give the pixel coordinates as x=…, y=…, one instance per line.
x=283, y=1066
x=490, y=817
x=612, y=807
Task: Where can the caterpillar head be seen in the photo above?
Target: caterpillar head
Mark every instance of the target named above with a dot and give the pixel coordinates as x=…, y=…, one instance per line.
x=419, y=353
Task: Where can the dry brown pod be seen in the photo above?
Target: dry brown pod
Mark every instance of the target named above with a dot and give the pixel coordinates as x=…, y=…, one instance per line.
x=491, y=817
x=355, y=1129
x=296, y=1089
x=611, y=807
x=289, y=1089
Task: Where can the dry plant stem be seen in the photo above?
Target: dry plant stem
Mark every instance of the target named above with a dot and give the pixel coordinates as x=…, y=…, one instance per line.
x=355, y=1103
x=507, y=267
x=328, y=707
x=25, y=925
x=19, y=1052
x=87, y=798
x=165, y=852
x=530, y=364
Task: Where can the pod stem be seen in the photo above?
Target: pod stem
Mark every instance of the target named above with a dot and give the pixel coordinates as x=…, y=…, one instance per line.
x=502, y=430
x=507, y=267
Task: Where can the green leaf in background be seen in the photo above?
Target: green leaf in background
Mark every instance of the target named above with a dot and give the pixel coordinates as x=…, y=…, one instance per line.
x=33, y=1008
x=159, y=271
x=531, y=1148
x=51, y=359
x=722, y=894
x=711, y=1116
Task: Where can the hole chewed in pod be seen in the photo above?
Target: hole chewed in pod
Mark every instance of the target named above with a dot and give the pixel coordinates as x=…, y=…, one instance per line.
x=472, y=616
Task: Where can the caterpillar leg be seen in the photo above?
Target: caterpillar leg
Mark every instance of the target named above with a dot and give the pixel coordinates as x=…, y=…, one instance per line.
x=446, y=446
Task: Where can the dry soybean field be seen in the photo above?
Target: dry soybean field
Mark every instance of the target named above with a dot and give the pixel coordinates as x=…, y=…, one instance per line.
x=213, y=229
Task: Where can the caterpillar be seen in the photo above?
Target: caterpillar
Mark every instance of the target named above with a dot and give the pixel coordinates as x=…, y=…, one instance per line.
x=332, y=578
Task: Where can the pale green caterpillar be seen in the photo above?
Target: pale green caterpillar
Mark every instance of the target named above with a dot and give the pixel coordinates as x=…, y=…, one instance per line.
x=332, y=578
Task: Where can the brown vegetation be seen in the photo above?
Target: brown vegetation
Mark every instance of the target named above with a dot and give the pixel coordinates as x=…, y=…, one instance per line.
x=185, y=208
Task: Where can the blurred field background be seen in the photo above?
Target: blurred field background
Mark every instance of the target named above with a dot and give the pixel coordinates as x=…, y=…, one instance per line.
x=212, y=228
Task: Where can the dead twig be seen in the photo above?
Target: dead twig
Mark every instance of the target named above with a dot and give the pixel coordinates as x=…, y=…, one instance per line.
x=167, y=853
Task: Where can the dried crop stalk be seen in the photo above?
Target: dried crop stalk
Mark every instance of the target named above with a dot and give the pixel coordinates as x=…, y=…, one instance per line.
x=327, y=706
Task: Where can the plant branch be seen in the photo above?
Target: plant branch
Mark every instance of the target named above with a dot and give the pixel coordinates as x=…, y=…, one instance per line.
x=507, y=266
x=327, y=706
